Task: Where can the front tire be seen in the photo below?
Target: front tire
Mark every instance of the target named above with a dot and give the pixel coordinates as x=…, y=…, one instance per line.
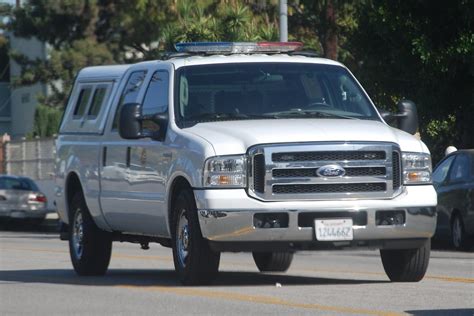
x=406, y=265
x=272, y=261
x=90, y=247
x=459, y=238
x=194, y=261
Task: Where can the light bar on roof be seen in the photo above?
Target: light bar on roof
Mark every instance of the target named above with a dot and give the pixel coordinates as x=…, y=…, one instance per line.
x=238, y=47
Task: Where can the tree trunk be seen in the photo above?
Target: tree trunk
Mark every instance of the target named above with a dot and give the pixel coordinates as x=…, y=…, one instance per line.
x=330, y=34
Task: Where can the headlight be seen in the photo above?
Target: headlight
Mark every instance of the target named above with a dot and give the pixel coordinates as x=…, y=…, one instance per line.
x=226, y=171
x=416, y=168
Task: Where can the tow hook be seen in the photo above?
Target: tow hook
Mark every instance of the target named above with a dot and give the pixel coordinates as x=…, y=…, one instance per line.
x=144, y=246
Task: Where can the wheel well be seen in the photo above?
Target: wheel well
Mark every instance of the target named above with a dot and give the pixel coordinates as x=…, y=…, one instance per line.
x=179, y=184
x=73, y=185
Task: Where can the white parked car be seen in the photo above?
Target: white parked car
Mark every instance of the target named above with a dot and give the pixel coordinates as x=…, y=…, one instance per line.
x=240, y=147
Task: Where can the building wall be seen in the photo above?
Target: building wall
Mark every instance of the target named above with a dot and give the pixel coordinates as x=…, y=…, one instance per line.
x=23, y=99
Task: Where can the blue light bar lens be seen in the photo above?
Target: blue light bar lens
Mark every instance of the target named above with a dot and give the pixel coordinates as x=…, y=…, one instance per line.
x=203, y=47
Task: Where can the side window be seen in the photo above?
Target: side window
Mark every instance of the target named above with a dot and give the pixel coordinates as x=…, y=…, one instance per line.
x=156, y=97
x=82, y=102
x=97, y=100
x=439, y=175
x=130, y=92
x=460, y=169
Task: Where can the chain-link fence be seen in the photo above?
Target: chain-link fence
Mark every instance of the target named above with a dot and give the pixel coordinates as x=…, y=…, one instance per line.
x=30, y=158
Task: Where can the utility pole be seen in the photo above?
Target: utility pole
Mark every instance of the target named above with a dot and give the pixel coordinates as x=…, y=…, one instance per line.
x=283, y=21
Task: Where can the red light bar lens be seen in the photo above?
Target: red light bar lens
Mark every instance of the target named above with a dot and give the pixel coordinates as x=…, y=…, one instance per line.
x=280, y=46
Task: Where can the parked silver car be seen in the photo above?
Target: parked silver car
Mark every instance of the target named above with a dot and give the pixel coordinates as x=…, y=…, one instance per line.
x=21, y=198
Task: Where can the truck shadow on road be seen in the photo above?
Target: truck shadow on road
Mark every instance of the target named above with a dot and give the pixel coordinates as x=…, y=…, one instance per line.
x=119, y=277
x=443, y=312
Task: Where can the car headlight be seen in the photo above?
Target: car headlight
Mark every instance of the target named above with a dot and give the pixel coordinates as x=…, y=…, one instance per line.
x=226, y=171
x=416, y=168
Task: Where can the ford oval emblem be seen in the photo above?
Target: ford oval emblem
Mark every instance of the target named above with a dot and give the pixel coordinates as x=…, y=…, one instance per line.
x=331, y=171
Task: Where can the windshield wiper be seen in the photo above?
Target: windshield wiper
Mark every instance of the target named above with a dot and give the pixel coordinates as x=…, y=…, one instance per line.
x=224, y=116
x=310, y=113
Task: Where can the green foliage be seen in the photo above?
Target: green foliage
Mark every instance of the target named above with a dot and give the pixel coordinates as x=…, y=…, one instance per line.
x=424, y=51
x=59, y=71
x=420, y=50
x=309, y=23
x=46, y=122
x=56, y=22
x=5, y=12
x=220, y=21
x=440, y=134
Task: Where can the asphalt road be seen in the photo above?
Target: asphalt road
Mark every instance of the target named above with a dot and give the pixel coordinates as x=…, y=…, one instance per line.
x=36, y=278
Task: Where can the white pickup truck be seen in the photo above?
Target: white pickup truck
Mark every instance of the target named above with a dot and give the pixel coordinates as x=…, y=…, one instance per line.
x=257, y=147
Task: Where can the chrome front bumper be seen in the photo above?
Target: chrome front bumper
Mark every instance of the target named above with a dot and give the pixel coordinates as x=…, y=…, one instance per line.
x=227, y=216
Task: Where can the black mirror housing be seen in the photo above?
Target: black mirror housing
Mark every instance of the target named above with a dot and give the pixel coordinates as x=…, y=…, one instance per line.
x=407, y=117
x=130, y=126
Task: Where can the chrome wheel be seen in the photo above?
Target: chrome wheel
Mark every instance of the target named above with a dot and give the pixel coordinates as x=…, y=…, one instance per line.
x=457, y=232
x=78, y=235
x=182, y=240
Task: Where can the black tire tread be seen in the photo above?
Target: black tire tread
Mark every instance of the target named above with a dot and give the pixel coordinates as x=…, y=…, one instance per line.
x=203, y=262
x=97, y=243
x=406, y=265
x=273, y=261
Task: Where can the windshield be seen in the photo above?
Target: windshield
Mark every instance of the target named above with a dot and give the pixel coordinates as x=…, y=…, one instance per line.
x=243, y=91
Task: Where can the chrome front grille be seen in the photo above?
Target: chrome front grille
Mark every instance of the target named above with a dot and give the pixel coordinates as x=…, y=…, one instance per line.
x=328, y=156
x=329, y=188
x=311, y=172
x=290, y=172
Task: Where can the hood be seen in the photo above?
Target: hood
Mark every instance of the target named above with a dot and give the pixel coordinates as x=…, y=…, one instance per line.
x=235, y=137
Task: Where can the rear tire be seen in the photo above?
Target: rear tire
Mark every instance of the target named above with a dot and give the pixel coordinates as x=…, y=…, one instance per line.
x=406, y=265
x=90, y=247
x=272, y=261
x=194, y=261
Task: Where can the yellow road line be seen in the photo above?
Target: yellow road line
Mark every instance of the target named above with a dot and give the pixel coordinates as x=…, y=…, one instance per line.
x=449, y=279
x=169, y=259
x=232, y=296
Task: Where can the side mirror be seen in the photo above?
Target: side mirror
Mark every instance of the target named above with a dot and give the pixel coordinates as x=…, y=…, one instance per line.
x=407, y=117
x=131, y=124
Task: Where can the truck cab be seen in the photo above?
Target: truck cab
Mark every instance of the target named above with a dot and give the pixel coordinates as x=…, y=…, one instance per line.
x=255, y=147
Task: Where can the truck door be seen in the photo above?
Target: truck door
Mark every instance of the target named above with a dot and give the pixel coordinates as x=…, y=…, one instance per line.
x=134, y=171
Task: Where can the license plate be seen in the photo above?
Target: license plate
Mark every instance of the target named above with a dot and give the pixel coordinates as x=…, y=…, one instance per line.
x=333, y=229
